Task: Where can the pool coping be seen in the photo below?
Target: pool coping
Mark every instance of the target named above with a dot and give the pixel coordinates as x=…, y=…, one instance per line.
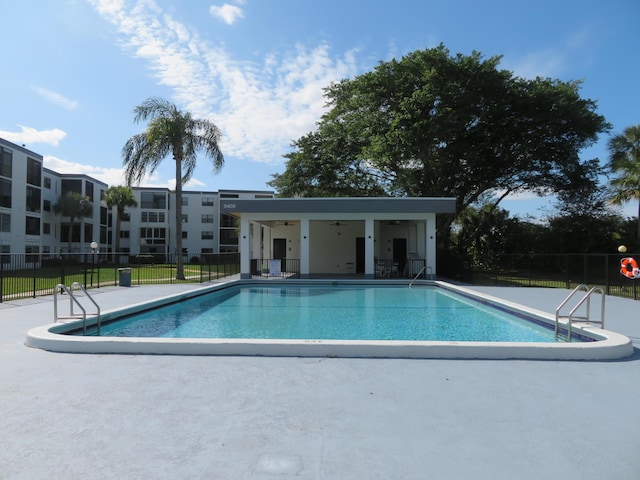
x=608, y=345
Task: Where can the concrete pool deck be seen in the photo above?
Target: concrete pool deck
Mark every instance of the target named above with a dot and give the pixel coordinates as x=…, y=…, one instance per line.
x=67, y=416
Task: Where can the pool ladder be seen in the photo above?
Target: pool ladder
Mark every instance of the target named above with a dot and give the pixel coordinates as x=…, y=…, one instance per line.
x=572, y=316
x=429, y=269
x=73, y=299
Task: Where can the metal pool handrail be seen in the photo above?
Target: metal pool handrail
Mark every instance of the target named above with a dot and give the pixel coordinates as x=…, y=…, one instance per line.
x=572, y=314
x=72, y=299
x=419, y=273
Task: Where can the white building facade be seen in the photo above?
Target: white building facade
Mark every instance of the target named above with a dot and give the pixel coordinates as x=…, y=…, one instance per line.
x=29, y=224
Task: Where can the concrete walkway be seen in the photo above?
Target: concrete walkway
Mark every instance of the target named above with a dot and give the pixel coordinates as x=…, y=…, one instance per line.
x=66, y=416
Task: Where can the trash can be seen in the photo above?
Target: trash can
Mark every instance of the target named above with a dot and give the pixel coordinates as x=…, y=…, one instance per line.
x=124, y=277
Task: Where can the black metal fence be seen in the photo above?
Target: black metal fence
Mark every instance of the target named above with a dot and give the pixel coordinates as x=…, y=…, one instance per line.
x=269, y=267
x=32, y=275
x=557, y=271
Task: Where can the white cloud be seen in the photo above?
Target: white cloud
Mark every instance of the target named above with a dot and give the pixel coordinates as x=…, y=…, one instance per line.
x=227, y=13
x=552, y=61
x=543, y=63
x=56, y=98
x=260, y=106
x=29, y=135
x=110, y=176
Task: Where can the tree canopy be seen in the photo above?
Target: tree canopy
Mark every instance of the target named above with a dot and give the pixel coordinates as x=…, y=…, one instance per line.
x=624, y=161
x=436, y=124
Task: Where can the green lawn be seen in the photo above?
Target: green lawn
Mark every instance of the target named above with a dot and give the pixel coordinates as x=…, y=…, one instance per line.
x=42, y=281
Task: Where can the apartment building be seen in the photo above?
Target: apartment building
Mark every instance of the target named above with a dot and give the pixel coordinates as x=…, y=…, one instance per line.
x=29, y=224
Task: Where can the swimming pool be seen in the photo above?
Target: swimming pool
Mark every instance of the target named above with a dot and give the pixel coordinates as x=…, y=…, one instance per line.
x=326, y=312
x=604, y=344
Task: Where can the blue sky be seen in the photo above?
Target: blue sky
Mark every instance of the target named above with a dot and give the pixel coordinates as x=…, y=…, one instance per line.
x=73, y=70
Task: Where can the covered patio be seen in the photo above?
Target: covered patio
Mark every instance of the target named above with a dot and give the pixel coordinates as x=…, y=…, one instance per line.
x=367, y=237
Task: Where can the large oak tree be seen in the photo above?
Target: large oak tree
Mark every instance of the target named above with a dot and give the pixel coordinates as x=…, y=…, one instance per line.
x=436, y=124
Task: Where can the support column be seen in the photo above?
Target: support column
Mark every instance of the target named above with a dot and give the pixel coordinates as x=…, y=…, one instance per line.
x=304, y=248
x=430, y=239
x=245, y=254
x=369, y=249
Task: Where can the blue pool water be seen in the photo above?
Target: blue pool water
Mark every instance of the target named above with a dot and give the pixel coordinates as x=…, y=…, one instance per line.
x=331, y=313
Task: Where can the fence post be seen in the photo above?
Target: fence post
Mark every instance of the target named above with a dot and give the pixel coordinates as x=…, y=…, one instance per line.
x=606, y=274
x=35, y=272
x=1, y=274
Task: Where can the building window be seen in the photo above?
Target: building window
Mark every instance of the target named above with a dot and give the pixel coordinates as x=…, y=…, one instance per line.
x=207, y=201
x=124, y=233
x=32, y=226
x=153, y=200
x=228, y=236
x=5, y=222
x=34, y=172
x=229, y=195
x=6, y=161
x=88, y=232
x=5, y=193
x=184, y=234
x=46, y=205
x=126, y=217
x=185, y=201
x=75, y=233
x=152, y=217
x=31, y=253
x=89, y=190
x=207, y=218
x=153, y=236
x=69, y=185
x=33, y=199
x=47, y=182
x=207, y=236
x=185, y=218
x=46, y=228
x=228, y=221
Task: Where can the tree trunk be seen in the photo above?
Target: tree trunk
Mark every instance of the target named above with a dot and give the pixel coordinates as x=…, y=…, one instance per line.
x=116, y=256
x=179, y=263
x=70, y=238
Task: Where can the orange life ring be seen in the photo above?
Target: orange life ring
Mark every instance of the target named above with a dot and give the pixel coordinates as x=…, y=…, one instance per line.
x=629, y=268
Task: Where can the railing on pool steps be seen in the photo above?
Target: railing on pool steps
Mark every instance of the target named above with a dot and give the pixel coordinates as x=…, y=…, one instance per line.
x=572, y=317
x=61, y=287
x=429, y=269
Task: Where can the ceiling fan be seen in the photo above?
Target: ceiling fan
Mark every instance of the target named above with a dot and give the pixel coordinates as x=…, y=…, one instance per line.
x=338, y=224
x=285, y=223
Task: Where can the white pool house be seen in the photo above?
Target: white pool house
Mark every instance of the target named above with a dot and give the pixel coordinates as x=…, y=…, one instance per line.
x=369, y=237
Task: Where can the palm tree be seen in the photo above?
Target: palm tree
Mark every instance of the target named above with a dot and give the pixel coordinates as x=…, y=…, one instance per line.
x=121, y=198
x=624, y=158
x=73, y=205
x=170, y=131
